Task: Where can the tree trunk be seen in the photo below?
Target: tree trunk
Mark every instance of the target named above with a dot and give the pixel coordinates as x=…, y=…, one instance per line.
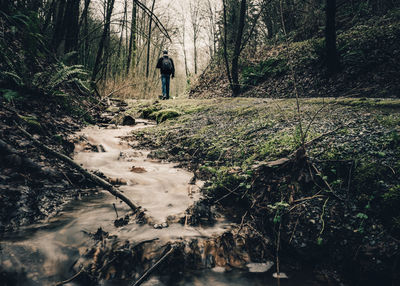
x=149, y=41
x=84, y=13
x=236, y=52
x=59, y=28
x=118, y=62
x=332, y=58
x=103, y=39
x=132, y=40
x=184, y=51
x=72, y=25
x=228, y=72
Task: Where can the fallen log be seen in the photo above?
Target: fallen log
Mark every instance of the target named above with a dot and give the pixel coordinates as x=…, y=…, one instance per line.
x=96, y=179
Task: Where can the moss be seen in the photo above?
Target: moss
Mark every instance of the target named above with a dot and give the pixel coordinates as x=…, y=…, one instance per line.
x=112, y=109
x=163, y=115
x=150, y=112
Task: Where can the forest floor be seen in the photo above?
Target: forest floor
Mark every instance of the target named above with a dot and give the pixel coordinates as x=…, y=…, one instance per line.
x=334, y=206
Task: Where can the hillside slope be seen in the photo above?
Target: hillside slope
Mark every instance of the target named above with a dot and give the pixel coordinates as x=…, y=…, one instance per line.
x=369, y=54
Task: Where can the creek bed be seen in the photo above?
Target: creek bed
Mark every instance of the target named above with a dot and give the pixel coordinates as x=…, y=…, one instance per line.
x=45, y=253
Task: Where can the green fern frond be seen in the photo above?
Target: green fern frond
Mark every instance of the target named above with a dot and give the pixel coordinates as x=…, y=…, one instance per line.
x=67, y=74
x=9, y=95
x=68, y=56
x=14, y=77
x=82, y=85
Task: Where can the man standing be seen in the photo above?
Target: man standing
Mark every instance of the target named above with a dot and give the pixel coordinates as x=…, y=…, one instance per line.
x=167, y=69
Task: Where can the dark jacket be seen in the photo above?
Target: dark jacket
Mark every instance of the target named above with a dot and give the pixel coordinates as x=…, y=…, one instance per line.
x=159, y=66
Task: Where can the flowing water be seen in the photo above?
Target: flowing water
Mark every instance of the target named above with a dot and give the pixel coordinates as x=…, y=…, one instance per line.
x=46, y=251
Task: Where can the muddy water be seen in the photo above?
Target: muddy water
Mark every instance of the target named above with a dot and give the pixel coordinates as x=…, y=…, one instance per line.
x=46, y=252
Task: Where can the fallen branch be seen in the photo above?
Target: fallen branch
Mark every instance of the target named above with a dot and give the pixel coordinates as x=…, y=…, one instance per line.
x=70, y=279
x=151, y=269
x=110, y=188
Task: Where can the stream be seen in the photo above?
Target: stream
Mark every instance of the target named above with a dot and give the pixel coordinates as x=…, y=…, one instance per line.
x=46, y=251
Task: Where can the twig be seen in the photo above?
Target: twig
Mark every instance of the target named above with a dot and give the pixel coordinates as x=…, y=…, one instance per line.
x=322, y=217
x=348, y=184
x=277, y=249
x=307, y=144
x=293, y=76
x=313, y=118
x=70, y=279
x=326, y=183
x=224, y=196
x=65, y=175
x=309, y=198
x=151, y=269
x=241, y=223
x=294, y=229
x=155, y=19
x=119, y=89
x=115, y=209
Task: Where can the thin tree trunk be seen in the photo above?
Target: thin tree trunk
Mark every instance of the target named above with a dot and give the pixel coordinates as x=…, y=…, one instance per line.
x=195, y=53
x=86, y=42
x=236, y=52
x=59, y=29
x=184, y=53
x=103, y=40
x=84, y=13
x=228, y=72
x=149, y=41
x=332, y=58
x=51, y=13
x=72, y=24
x=118, y=61
x=132, y=41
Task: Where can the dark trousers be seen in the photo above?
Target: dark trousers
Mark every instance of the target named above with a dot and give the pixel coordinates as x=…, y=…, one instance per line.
x=165, y=79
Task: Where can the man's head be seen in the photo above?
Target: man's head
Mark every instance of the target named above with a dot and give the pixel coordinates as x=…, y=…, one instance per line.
x=165, y=53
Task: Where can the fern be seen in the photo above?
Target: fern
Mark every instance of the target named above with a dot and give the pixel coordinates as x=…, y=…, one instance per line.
x=9, y=95
x=14, y=77
x=67, y=74
x=62, y=76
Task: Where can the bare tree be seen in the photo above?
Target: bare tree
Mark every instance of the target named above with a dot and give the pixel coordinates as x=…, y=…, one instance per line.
x=132, y=40
x=237, y=49
x=149, y=41
x=182, y=40
x=195, y=21
x=233, y=72
x=211, y=11
x=106, y=31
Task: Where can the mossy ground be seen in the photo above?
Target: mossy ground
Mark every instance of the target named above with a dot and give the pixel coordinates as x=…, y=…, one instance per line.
x=355, y=150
